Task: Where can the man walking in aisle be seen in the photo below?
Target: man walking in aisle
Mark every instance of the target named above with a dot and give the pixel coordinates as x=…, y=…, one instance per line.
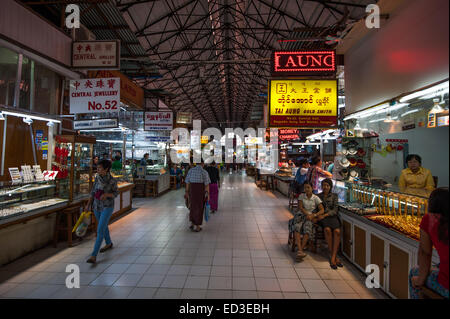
x=197, y=183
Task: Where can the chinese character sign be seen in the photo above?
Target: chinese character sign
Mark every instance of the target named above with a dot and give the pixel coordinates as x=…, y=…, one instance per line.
x=303, y=103
x=96, y=54
x=95, y=95
x=158, y=121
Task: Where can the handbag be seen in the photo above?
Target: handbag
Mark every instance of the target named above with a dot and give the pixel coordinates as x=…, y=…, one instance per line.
x=207, y=211
x=82, y=224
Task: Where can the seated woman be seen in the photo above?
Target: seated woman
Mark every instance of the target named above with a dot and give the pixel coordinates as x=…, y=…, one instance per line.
x=302, y=223
x=433, y=232
x=330, y=222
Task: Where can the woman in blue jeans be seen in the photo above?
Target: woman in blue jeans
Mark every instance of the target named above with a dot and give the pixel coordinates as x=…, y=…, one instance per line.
x=102, y=200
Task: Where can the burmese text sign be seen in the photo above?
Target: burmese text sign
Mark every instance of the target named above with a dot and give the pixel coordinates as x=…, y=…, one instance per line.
x=158, y=121
x=302, y=103
x=95, y=95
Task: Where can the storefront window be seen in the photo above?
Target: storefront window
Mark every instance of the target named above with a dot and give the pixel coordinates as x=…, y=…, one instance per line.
x=8, y=73
x=24, y=86
x=46, y=90
x=39, y=88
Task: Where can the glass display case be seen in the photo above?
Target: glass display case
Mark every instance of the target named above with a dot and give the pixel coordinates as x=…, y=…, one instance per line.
x=73, y=161
x=124, y=177
x=400, y=210
x=18, y=199
x=157, y=169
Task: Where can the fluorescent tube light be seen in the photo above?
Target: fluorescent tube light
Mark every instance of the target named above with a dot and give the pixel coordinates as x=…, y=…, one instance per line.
x=410, y=112
x=23, y=115
x=113, y=141
x=366, y=113
x=434, y=89
x=374, y=121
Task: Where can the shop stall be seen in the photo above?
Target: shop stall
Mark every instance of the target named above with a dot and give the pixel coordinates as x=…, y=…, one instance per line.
x=155, y=179
x=381, y=216
x=284, y=177
x=380, y=226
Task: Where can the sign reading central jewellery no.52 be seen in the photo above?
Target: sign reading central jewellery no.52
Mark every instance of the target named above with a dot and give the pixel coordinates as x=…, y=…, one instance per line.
x=95, y=95
x=303, y=103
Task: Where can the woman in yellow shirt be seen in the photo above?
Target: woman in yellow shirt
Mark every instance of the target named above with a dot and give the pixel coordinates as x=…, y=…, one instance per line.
x=415, y=177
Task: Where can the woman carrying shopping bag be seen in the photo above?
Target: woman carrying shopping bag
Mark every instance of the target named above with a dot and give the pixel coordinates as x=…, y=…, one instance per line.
x=197, y=183
x=102, y=198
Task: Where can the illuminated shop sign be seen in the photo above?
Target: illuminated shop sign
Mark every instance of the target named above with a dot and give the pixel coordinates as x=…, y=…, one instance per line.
x=302, y=103
x=303, y=62
x=204, y=139
x=288, y=134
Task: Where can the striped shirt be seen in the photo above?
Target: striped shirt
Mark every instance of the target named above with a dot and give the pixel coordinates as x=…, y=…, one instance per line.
x=198, y=175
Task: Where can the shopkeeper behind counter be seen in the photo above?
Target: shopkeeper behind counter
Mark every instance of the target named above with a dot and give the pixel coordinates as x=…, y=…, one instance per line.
x=415, y=177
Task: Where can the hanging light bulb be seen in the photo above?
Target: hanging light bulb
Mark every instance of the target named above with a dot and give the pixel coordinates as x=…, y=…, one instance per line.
x=326, y=138
x=436, y=107
x=389, y=119
x=357, y=127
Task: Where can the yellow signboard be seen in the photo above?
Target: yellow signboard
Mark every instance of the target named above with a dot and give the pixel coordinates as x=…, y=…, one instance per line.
x=205, y=139
x=303, y=103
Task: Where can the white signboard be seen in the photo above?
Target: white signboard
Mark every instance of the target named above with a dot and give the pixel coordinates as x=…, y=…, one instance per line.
x=15, y=175
x=104, y=55
x=158, y=121
x=95, y=95
x=95, y=124
x=158, y=138
x=184, y=118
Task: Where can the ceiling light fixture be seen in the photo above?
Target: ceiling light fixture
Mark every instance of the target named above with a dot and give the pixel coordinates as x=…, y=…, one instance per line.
x=390, y=119
x=436, y=89
x=28, y=120
x=33, y=117
x=409, y=112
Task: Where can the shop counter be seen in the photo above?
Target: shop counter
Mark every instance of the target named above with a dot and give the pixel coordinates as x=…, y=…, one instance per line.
x=32, y=229
x=283, y=183
x=163, y=182
x=124, y=201
x=364, y=242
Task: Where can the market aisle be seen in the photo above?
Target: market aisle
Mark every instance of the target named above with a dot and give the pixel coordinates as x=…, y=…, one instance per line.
x=241, y=253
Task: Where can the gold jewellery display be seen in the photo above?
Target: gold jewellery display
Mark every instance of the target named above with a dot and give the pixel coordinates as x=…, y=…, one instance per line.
x=398, y=211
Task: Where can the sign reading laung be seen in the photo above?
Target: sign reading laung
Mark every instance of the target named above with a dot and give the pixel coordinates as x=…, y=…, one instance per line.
x=304, y=62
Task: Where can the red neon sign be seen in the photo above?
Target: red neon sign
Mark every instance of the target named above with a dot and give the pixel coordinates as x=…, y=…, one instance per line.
x=304, y=62
x=288, y=134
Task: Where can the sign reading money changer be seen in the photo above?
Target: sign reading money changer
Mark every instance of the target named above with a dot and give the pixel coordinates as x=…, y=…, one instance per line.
x=303, y=103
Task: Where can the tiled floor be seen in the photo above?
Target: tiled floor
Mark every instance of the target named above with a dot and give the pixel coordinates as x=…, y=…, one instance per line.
x=241, y=253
